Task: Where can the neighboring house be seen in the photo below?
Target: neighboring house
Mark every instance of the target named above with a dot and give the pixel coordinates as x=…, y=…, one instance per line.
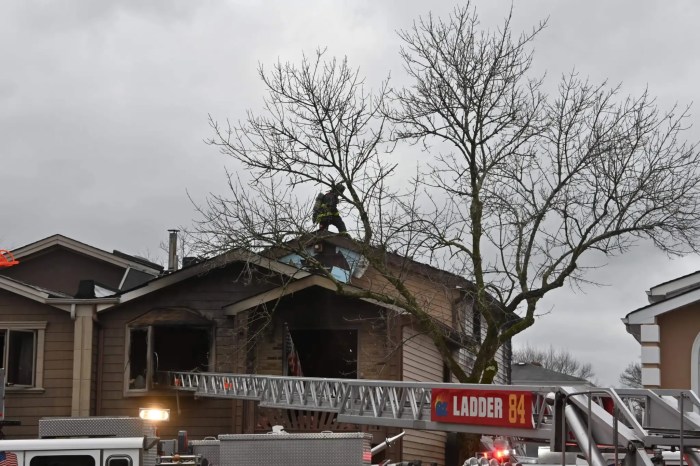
x=528, y=373
x=89, y=332
x=668, y=330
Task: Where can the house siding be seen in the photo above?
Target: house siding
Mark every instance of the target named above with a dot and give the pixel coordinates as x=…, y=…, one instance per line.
x=28, y=406
x=207, y=294
x=678, y=330
x=466, y=358
x=422, y=363
x=59, y=269
x=435, y=297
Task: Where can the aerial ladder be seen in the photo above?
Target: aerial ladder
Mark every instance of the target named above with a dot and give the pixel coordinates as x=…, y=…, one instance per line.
x=632, y=425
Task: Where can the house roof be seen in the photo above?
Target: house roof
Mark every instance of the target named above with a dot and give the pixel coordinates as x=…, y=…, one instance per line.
x=116, y=257
x=410, y=264
x=674, y=287
x=525, y=373
x=665, y=297
x=443, y=277
x=109, y=300
x=221, y=260
x=300, y=279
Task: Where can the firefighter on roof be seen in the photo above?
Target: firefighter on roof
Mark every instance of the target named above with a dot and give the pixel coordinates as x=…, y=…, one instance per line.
x=325, y=211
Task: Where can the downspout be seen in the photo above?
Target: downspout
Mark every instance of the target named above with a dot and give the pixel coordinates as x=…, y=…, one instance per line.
x=100, y=373
x=72, y=311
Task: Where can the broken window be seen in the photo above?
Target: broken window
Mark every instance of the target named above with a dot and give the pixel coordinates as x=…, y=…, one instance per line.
x=327, y=353
x=156, y=349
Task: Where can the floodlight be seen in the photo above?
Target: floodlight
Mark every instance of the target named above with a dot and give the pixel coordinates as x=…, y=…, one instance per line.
x=154, y=414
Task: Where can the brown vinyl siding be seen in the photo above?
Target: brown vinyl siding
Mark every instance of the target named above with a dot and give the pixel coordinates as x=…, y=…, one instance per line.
x=26, y=405
x=422, y=363
x=678, y=330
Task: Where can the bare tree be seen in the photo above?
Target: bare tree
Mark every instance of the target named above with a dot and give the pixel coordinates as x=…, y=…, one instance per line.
x=558, y=360
x=516, y=187
x=632, y=375
x=534, y=184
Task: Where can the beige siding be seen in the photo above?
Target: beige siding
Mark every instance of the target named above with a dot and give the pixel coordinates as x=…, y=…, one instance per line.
x=422, y=363
x=435, y=297
x=27, y=406
x=503, y=365
x=466, y=358
x=678, y=330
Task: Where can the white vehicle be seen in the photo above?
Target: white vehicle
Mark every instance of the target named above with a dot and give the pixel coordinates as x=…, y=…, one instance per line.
x=126, y=441
x=127, y=451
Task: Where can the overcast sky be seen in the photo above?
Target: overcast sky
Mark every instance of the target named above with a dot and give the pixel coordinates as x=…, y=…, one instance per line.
x=104, y=104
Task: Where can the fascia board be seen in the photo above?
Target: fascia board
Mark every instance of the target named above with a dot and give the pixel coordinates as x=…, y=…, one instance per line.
x=647, y=314
x=277, y=293
x=289, y=288
x=676, y=284
x=392, y=307
x=60, y=240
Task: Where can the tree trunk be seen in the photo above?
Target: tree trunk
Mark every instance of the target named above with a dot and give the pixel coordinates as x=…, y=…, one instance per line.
x=469, y=446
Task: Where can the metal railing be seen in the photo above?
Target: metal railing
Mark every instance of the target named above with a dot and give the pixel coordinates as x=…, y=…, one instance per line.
x=408, y=405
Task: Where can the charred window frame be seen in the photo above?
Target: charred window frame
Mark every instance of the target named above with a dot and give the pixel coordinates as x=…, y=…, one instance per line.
x=152, y=350
x=22, y=346
x=327, y=352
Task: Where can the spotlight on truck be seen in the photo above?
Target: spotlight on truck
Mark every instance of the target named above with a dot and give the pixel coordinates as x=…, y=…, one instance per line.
x=154, y=414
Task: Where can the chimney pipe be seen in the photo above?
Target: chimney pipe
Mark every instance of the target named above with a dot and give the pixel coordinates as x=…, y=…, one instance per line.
x=172, y=251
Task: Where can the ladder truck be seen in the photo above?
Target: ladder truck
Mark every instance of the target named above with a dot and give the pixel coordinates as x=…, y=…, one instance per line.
x=629, y=427
x=602, y=427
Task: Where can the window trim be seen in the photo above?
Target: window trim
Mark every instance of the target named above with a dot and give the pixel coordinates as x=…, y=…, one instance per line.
x=119, y=456
x=127, y=366
x=149, y=390
x=39, y=329
x=694, y=364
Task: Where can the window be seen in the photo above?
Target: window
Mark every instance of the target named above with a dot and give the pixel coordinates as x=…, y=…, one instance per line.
x=119, y=460
x=327, y=353
x=156, y=349
x=62, y=460
x=22, y=345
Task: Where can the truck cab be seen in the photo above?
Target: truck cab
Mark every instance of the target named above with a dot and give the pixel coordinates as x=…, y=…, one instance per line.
x=122, y=451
